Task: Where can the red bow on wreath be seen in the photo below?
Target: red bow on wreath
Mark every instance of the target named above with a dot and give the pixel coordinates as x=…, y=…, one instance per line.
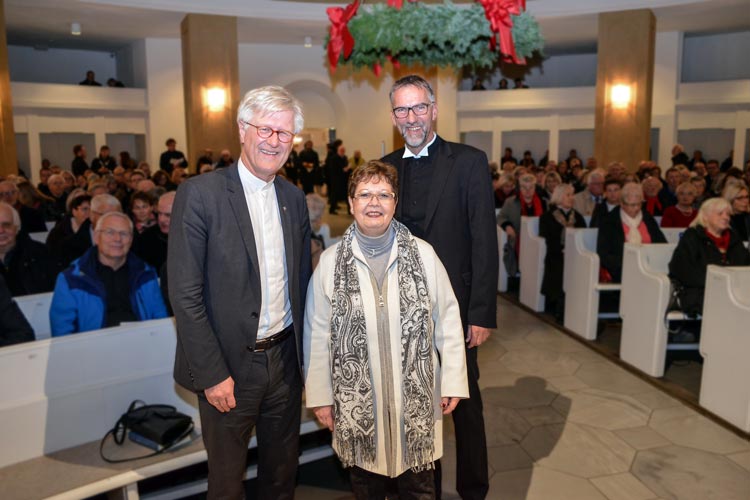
x=498, y=13
x=341, y=39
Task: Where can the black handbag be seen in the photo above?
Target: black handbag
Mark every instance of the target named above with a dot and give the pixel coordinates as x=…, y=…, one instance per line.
x=159, y=427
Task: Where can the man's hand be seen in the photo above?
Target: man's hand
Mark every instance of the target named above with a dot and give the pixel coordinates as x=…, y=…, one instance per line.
x=478, y=335
x=510, y=232
x=448, y=404
x=221, y=396
x=324, y=414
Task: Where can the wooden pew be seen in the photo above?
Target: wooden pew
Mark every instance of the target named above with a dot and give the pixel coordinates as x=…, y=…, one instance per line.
x=646, y=293
x=67, y=392
x=725, y=345
x=531, y=264
x=36, y=309
x=581, y=283
x=502, y=275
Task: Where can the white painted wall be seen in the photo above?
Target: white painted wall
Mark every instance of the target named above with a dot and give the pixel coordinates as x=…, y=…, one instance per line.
x=59, y=65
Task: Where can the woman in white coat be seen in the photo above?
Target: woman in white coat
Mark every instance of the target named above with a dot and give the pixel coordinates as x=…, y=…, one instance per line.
x=383, y=344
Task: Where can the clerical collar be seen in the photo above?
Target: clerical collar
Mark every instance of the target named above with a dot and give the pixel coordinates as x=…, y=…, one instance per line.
x=423, y=152
x=249, y=181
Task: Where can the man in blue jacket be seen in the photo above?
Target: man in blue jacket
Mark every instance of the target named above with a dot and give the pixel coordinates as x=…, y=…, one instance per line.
x=107, y=285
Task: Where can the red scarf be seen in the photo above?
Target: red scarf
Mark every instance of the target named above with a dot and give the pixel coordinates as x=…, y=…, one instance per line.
x=536, y=201
x=652, y=204
x=721, y=242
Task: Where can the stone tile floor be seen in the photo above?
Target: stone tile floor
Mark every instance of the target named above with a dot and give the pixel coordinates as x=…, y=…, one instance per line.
x=565, y=423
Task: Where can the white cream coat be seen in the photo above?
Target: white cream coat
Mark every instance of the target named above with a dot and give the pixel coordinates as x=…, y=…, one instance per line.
x=448, y=343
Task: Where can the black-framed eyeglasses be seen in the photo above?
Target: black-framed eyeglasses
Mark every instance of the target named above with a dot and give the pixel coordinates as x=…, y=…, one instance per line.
x=366, y=196
x=418, y=110
x=266, y=132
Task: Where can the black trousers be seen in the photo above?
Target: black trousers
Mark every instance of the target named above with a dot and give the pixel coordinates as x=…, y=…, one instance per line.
x=472, y=473
x=411, y=485
x=270, y=401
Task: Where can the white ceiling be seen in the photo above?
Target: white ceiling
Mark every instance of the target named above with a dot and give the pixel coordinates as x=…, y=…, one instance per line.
x=567, y=25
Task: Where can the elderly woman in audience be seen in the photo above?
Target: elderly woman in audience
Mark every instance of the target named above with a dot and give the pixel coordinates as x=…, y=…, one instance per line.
x=142, y=206
x=552, y=226
x=651, y=187
x=383, y=345
x=549, y=182
x=737, y=196
x=701, y=194
x=78, y=207
x=505, y=187
x=682, y=214
x=708, y=240
x=630, y=223
x=527, y=202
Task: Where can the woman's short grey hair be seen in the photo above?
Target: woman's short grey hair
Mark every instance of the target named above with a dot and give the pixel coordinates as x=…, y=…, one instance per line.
x=630, y=191
x=560, y=191
x=268, y=100
x=710, y=206
x=685, y=187
x=102, y=201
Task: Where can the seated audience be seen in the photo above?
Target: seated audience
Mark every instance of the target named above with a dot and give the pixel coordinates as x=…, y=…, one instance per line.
x=737, y=196
x=527, y=202
x=616, y=170
x=627, y=223
x=90, y=80
x=586, y=200
x=55, y=210
x=508, y=157
x=172, y=157
x=151, y=244
x=76, y=245
x=179, y=174
x=14, y=327
x=78, y=165
x=708, y=240
x=106, y=286
x=651, y=187
x=78, y=211
x=712, y=179
x=612, y=191
x=552, y=226
x=225, y=159
x=701, y=194
x=682, y=214
x=142, y=208
x=32, y=220
x=44, y=174
x=679, y=157
x=25, y=264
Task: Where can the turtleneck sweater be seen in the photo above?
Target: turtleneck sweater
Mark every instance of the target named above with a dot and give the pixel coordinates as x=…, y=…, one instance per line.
x=376, y=250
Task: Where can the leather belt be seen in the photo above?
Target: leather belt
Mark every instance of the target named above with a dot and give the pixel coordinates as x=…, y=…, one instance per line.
x=268, y=342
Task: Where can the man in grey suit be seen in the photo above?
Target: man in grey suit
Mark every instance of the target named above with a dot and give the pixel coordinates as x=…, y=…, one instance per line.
x=239, y=264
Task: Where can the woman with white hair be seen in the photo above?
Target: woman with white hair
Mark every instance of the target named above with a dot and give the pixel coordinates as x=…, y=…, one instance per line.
x=708, y=240
x=737, y=196
x=552, y=226
x=527, y=202
x=630, y=223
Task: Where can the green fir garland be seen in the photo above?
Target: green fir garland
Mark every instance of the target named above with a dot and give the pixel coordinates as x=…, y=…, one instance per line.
x=435, y=35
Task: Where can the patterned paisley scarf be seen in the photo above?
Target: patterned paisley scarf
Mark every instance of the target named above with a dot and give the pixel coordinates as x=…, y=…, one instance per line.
x=354, y=414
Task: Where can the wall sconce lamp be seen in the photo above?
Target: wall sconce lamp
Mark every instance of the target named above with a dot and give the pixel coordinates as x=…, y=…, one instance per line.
x=620, y=96
x=75, y=29
x=308, y=42
x=215, y=98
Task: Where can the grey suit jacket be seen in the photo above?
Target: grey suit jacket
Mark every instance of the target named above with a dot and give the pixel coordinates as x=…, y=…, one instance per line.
x=214, y=279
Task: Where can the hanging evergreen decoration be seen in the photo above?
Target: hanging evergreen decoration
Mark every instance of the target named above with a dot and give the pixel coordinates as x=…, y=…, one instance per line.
x=475, y=36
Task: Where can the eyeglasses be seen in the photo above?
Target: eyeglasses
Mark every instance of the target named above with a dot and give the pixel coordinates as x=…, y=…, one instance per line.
x=418, y=110
x=266, y=132
x=110, y=233
x=366, y=197
x=7, y=194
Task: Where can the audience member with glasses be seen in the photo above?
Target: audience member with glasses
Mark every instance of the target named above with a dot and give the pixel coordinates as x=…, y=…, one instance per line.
x=106, y=286
x=383, y=345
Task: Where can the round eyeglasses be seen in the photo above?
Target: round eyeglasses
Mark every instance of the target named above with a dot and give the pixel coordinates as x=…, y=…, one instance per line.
x=266, y=132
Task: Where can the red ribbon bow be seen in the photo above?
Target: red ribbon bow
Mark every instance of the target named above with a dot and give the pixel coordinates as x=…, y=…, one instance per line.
x=341, y=39
x=398, y=3
x=498, y=13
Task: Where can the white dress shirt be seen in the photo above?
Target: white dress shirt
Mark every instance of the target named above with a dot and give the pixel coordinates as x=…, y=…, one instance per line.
x=423, y=152
x=276, y=308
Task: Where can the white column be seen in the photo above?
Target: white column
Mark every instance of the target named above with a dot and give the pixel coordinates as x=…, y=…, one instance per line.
x=742, y=124
x=667, y=73
x=554, y=138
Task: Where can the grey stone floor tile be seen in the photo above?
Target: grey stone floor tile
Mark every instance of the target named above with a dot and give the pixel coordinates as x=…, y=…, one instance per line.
x=685, y=427
x=623, y=487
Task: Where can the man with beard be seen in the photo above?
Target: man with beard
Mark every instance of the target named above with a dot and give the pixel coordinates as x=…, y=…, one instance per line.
x=445, y=197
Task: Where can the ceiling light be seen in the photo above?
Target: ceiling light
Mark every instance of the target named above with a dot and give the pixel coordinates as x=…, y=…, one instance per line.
x=308, y=42
x=75, y=29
